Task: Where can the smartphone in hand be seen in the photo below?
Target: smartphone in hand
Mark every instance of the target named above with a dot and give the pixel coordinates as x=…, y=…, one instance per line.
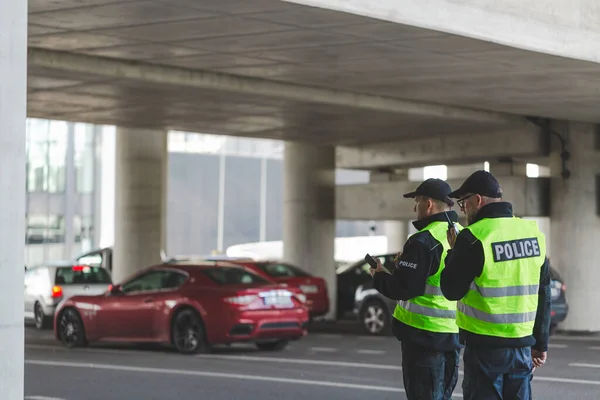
x=451, y=224
x=373, y=263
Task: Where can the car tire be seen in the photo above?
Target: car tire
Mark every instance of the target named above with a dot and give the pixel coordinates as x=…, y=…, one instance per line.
x=553, y=329
x=42, y=321
x=375, y=317
x=277, y=345
x=71, y=330
x=188, y=332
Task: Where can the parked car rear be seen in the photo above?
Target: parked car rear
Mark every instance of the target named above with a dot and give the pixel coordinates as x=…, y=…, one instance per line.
x=49, y=284
x=313, y=287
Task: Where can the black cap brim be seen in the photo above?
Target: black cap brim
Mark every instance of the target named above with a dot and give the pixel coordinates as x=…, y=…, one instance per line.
x=457, y=194
x=411, y=195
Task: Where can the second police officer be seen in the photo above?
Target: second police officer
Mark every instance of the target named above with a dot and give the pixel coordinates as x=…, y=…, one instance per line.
x=424, y=321
x=499, y=273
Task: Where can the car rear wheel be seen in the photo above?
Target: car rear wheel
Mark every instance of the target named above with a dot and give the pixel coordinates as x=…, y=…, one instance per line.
x=277, y=345
x=70, y=329
x=375, y=317
x=41, y=320
x=188, y=333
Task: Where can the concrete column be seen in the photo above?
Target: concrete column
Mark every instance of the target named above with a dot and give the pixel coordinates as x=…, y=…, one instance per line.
x=140, y=199
x=13, y=89
x=575, y=227
x=309, y=212
x=396, y=232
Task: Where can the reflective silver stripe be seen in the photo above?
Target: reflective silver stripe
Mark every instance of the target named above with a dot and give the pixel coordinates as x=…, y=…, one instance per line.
x=496, y=318
x=507, y=291
x=433, y=290
x=427, y=311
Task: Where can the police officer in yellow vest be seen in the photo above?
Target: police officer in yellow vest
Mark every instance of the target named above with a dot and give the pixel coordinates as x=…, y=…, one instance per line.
x=498, y=271
x=424, y=321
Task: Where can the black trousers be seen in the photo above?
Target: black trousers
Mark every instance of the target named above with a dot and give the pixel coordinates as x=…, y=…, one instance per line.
x=497, y=373
x=429, y=374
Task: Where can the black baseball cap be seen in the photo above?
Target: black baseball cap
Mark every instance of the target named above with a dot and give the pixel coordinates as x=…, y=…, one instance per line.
x=480, y=182
x=435, y=188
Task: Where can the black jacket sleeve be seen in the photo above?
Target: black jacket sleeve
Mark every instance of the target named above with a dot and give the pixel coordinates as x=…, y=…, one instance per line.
x=408, y=279
x=541, y=329
x=462, y=265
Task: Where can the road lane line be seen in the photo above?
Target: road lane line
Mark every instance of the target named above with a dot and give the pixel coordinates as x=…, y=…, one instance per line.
x=557, y=346
x=301, y=361
x=371, y=352
x=594, y=347
x=168, y=371
x=42, y=398
x=324, y=349
x=584, y=365
x=576, y=338
x=347, y=364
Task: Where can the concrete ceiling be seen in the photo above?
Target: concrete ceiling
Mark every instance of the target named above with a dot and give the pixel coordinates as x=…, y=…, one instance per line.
x=297, y=68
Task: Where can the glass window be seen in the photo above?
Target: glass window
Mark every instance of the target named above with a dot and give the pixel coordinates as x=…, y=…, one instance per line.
x=46, y=147
x=232, y=276
x=91, y=259
x=83, y=228
x=278, y=270
x=45, y=229
x=84, y=154
x=81, y=275
x=154, y=280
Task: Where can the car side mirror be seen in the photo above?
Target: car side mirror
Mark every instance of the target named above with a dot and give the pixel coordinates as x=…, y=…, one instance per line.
x=115, y=290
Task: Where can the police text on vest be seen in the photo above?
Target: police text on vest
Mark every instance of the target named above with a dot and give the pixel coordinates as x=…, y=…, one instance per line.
x=407, y=264
x=516, y=249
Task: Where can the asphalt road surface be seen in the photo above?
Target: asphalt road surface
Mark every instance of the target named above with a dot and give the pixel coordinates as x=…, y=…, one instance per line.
x=321, y=366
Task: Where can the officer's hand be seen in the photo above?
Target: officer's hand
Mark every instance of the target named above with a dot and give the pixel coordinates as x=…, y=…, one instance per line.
x=451, y=235
x=538, y=357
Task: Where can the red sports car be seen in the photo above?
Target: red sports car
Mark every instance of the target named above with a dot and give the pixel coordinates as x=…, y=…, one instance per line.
x=313, y=287
x=189, y=305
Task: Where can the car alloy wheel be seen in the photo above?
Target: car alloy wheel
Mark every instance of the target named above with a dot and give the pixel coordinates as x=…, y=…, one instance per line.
x=374, y=318
x=71, y=329
x=188, y=332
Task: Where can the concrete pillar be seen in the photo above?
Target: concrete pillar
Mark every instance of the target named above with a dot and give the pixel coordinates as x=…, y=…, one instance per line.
x=309, y=212
x=13, y=89
x=396, y=232
x=575, y=227
x=140, y=199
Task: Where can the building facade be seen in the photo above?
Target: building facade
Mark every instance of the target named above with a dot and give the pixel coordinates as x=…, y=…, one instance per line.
x=221, y=191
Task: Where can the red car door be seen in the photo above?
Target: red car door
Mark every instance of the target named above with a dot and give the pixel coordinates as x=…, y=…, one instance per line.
x=130, y=313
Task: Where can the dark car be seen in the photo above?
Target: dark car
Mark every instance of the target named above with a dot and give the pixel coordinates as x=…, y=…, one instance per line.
x=354, y=277
x=374, y=311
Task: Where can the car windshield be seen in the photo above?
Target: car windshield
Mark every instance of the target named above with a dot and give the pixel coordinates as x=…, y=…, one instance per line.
x=233, y=276
x=81, y=274
x=279, y=270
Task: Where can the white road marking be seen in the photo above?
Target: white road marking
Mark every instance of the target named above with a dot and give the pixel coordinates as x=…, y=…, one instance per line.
x=584, y=365
x=557, y=346
x=576, y=338
x=594, y=347
x=301, y=361
x=168, y=371
x=372, y=352
x=324, y=349
x=42, y=398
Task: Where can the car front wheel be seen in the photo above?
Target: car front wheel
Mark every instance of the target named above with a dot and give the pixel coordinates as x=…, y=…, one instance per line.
x=375, y=317
x=70, y=328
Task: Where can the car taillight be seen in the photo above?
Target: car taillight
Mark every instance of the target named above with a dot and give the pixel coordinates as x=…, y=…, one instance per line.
x=57, y=292
x=81, y=268
x=241, y=300
x=564, y=287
